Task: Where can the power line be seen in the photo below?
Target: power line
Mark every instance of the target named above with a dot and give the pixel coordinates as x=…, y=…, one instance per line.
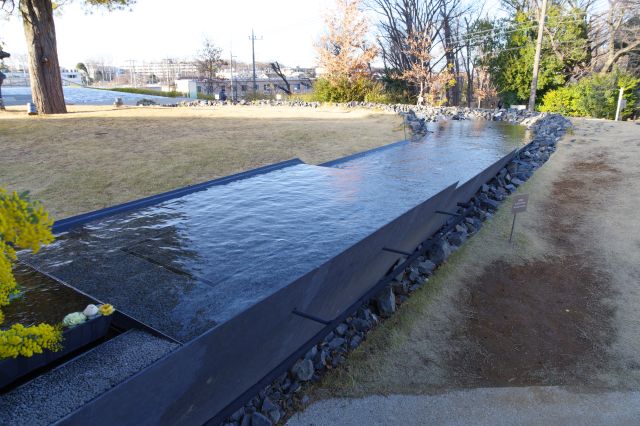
x=497, y=32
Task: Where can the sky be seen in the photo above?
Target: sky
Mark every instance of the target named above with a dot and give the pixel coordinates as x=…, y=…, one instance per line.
x=157, y=29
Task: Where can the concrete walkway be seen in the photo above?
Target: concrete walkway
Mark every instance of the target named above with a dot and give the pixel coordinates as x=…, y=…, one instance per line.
x=482, y=406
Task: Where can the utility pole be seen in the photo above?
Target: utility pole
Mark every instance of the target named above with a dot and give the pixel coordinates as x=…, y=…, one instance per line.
x=253, y=39
x=536, y=59
x=234, y=92
x=132, y=71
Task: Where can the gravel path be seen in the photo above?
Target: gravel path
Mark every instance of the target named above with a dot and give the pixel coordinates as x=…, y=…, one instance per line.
x=59, y=392
x=483, y=406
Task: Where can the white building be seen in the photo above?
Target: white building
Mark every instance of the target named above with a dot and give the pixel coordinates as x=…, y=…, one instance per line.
x=165, y=71
x=20, y=77
x=71, y=77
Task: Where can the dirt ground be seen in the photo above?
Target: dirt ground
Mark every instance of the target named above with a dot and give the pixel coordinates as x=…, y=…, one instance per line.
x=97, y=156
x=559, y=307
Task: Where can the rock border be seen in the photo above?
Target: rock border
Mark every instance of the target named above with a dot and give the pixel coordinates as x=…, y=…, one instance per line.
x=286, y=395
x=416, y=116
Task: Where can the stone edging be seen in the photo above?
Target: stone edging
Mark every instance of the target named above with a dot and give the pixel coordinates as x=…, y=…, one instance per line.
x=285, y=395
x=416, y=115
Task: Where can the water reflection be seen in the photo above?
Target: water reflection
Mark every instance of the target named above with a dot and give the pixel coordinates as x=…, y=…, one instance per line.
x=188, y=263
x=41, y=299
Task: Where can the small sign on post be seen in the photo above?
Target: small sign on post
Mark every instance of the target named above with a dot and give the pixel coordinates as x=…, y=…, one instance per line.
x=519, y=205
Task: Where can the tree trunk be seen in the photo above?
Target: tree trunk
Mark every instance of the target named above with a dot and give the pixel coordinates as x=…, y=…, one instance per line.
x=452, y=91
x=40, y=32
x=469, y=88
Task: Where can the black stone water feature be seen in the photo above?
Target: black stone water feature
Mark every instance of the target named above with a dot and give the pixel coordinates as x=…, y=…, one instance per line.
x=221, y=270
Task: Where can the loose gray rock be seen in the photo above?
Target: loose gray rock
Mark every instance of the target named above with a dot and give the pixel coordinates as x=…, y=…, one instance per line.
x=320, y=360
x=457, y=238
x=361, y=324
x=401, y=287
x=440, y=252
x=303, y=370
x=275, y=416
x=246, y=420
x=355, y=341
x=258, y=419
x=341, y=329
x=268, y=406
x=386, y=302
x=488, y=203
x=311, y=354
x=426, y=267
x=336, y=343
x=414, y=275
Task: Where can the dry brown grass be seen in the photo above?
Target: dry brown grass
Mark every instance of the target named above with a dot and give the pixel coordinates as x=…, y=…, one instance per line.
x=100, y=156
x=415, y=351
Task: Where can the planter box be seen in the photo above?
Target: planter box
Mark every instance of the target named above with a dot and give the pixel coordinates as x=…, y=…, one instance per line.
x=73, y=338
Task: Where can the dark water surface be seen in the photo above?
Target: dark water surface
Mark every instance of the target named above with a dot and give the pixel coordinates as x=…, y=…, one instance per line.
x=41, y=299
x=189, y=263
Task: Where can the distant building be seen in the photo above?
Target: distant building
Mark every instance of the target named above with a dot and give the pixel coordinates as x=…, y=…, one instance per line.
x=71, y=77
x=101, y=73
x=19, y=76
x=242, y=86
x=164, y=72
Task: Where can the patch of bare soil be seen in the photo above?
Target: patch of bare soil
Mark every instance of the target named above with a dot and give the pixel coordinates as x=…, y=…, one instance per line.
x=542, y=322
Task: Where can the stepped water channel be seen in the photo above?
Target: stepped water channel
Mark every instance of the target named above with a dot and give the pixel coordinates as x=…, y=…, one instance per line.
x=225, y=265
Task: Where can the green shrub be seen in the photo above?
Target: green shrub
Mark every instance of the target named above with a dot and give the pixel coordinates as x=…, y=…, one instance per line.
x=206, y=97
x=359, y=90
x=343, y=90
x=594, y=96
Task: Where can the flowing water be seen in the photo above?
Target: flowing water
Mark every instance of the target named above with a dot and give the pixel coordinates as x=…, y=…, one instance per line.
x=189, y=263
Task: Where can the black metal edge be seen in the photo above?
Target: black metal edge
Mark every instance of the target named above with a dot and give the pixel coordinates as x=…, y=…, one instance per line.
x=232, y=407
x=196, y=340
x=66, y=224
x=341, y=160
x=452, y=187
x=318, y=337
x=283, y=366
x=386, y=280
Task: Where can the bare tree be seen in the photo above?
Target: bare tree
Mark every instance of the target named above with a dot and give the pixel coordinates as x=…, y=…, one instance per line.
x=400, y=21
x=208, y=63
x=435, y=23
x=621, y=31
x=343, y=50
x=275, y=66
x=450, y=12
x=418, y=48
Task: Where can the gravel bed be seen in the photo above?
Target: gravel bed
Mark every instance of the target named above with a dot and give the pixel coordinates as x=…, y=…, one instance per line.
x=59, y=392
